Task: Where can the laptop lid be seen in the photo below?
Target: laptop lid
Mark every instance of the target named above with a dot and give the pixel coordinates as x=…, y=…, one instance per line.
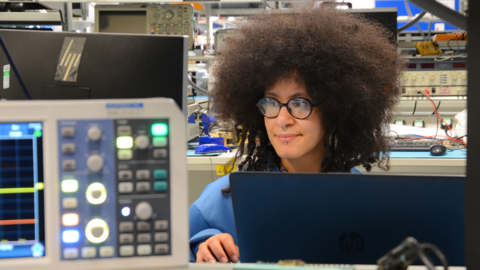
x=345, y=218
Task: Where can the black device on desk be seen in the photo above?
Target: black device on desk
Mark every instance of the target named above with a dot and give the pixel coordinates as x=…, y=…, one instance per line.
x=345, y=218
x=438, y=150
x=95, y=66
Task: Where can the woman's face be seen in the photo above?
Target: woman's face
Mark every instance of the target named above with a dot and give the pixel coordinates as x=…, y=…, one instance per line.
x=295, y=138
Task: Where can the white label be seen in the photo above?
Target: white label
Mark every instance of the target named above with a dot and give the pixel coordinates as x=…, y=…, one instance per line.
x=6, y=76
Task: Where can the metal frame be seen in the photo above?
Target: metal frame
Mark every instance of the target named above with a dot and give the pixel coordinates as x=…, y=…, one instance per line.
x=472, y=198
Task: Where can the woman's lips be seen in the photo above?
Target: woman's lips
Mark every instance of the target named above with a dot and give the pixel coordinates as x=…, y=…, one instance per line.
x=286, y=137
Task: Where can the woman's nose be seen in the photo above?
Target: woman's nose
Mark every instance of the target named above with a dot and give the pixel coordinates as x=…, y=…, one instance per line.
x=284, y=117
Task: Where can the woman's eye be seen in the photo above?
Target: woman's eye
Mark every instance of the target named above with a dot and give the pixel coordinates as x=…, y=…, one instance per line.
x=298, y=103
x=272, y=103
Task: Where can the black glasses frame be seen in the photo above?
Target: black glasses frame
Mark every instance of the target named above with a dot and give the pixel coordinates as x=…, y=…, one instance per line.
x=288, y=108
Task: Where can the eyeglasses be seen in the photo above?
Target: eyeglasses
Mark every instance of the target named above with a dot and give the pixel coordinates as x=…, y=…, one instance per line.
x=299, y=108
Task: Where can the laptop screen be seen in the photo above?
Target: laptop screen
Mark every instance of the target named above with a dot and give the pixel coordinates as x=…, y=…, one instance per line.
x=345, y=218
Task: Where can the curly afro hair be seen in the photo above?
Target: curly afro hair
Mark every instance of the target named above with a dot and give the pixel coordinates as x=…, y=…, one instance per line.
x=347, y=64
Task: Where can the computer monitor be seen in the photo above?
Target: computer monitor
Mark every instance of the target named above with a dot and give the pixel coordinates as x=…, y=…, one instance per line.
x=95, y=66
x=386, y=16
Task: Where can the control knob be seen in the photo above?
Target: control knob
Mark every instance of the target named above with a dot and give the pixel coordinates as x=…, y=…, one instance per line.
x=94, y=134
x=97, y=231
x=169, y=15
x=143, y=211
x=454, y=76
x=95, y=163
x=141, y=142
x=96, y=193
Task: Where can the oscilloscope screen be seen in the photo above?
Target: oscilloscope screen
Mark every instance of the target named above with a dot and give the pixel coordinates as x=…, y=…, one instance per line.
x=22, y=232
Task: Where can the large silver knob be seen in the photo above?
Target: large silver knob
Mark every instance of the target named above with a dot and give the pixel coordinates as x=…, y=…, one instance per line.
x=143, y=211
x=94, y=134
x=168, y=15
x=95, y=163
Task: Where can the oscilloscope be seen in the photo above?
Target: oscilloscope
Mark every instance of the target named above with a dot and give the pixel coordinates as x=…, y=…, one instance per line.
x=93, y=184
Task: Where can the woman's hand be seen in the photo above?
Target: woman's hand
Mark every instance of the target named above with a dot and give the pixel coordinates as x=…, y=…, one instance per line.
x=218, y=246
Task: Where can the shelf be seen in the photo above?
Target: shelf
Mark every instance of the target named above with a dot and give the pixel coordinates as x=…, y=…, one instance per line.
x=201, y=58
x=453, y=43
x=30, y=18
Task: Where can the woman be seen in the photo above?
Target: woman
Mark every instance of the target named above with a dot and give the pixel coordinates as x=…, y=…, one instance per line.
x=308, y=91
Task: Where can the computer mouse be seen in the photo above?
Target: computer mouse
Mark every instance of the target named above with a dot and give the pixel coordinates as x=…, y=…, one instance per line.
x=438, y=150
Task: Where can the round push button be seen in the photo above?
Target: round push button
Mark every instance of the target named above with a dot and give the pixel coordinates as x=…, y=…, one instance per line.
x=142, y=142
x=96, y=231
x=96, y=193
x=143, y=211
x=94, y=134
x=95, y=163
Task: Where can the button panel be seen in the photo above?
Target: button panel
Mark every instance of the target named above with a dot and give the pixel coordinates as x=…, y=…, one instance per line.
x=170, y=20
x=147, y=199
x=114, y=195
x=88, y=189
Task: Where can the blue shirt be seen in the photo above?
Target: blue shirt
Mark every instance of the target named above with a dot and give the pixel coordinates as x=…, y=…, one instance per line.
x=212, y=214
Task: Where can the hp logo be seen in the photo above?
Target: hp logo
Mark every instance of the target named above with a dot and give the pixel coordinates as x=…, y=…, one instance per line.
x=351, y=242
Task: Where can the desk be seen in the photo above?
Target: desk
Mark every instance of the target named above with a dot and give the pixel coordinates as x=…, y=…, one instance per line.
x=230, y=266
x=202, y=170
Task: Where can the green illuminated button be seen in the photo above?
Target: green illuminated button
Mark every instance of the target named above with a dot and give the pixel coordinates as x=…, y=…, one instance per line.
x=159, y=129
x=160, y=186
x=69, y=186
x=124, y=142
x=159, y=141
x=37, y=133
x=160, y=174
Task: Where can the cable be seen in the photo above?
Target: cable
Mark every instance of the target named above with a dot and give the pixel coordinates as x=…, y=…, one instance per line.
x=435, y=250
x=198, y=88
x=265, y=2
x=414, y=108
x=427, y=93
x=412, y=22
x=437, y=9
x=407, y=7
x=409, y=251
x=429, y=29
x=14, y=66
x=438, y=106
x=398, y=136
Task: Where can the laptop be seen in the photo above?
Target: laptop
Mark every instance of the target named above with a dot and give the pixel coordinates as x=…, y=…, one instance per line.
x=345, y=218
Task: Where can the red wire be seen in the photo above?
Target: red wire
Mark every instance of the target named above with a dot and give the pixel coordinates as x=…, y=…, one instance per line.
x=448, y=126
